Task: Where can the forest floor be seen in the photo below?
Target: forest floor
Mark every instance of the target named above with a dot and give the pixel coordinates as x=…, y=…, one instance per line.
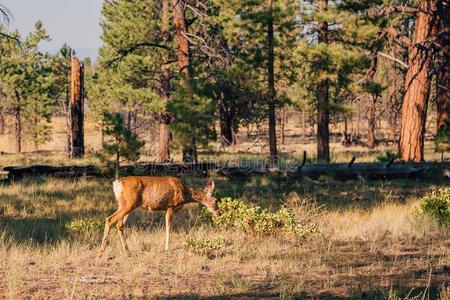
x=372, y=244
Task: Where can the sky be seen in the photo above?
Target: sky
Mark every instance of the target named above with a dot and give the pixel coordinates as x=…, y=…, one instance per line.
x=75, y=22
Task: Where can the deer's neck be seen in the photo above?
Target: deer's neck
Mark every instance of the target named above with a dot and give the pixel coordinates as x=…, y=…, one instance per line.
x=196, y=195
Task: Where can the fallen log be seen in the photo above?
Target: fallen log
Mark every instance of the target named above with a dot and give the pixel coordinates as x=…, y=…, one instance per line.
x=18, y=172
x=341, y=171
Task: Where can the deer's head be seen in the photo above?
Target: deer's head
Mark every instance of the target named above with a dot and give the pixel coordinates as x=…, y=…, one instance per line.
x=209, y=200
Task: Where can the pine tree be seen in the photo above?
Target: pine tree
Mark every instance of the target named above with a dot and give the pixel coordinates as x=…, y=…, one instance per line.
x=28, y=85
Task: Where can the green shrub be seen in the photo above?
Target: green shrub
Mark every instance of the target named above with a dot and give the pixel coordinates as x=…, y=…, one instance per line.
x=256, y=220
x=387, y=156
x=437, y=206
x=211, y=249
x=85, y=226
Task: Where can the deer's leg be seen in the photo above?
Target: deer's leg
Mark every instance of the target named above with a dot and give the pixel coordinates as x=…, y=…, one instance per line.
x=169, y=219
x=108, y=224
x=119, y=225
x=111, y=220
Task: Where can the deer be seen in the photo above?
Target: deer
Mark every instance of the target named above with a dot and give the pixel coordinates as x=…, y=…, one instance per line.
x=154, y=194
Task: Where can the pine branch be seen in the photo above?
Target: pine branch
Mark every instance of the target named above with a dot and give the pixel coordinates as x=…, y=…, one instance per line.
x=122, y=53
x=399, y=61
x=379, y=11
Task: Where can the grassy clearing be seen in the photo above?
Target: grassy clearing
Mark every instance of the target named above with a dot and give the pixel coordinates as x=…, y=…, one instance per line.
x=370, y=245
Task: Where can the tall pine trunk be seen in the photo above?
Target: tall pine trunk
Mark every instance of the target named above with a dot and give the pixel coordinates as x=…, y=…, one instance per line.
x=271, y=86
x=164, y=136
x=323, y=114
x=189, y=151
x=227, y=114
x=417, y=85
x=77, y=109
x=371, y=110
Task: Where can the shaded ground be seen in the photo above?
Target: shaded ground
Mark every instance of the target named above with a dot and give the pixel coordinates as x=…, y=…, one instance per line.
x=371, y=245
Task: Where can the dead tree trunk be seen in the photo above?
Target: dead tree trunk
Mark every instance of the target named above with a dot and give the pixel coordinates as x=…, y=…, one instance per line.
x=77, y=109
x=323, y=118
x=164, y=136
x=417, y=85
x=271, y=86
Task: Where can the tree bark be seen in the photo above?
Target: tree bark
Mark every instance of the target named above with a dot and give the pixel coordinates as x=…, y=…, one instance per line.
x=371, y=110
x=323, y=114
x=164, y=136
x=189, y=151
x=2, y=123
x=417, y=85
x=77, y=109
x=271, y=86
x=227, y=113
x=443, y=75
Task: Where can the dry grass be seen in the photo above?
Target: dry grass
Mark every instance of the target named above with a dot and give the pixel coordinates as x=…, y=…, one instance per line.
x=370, y=246
x=246, y=150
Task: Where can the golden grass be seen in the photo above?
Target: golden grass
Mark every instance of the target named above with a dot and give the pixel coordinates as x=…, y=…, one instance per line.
x=374, y=247
x=246, y=150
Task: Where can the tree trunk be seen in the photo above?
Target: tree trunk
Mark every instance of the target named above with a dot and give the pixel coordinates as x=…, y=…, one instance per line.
x=77, y=109
x=392, y=125
x=189, y=151
x=417, y=85
x=371, y=122
x=227, y=112
x=282, y=125
x=443, y=76
x=271, y=86
x=2, y=123
x=102, y=135
x=68, y=123
x=358, y=120
x=303, y=123
x=164, y=136
x=18, y=124
x=323, y=114
x=371, y=110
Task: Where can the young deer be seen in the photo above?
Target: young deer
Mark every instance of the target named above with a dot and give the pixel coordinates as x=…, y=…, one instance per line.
x=153, y=194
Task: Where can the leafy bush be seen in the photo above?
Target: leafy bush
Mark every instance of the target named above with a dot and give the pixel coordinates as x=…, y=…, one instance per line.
x=211, y=249
x=254, y=219
x=437, y=206
x=387, y=156
x=85, y=226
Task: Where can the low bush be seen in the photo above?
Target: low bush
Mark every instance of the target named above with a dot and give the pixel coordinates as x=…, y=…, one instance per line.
x=437, y=206
x=256, y=220
x=85, y=226
x=210, y=248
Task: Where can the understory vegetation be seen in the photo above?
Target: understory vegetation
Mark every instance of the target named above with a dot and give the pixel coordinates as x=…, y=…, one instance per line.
x=365, y=240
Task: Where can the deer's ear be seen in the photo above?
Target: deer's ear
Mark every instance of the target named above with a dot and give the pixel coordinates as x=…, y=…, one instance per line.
x=210, y=186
